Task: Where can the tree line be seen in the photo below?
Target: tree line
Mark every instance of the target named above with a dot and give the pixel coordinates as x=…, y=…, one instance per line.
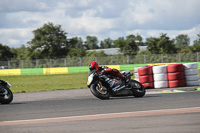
x=50, y=41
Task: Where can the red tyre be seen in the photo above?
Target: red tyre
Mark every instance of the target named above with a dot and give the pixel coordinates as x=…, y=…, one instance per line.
x=145, y=71
x=177, y=83
x=175, y=68
x=176, y=76
x=146, y=79
x=148, y=85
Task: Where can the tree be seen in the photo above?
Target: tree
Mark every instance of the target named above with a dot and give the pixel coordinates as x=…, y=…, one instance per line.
x=92, y=42
x=161, y=45
x=131, y=46
x=21, y=52
x=49, y=41
x=76, y=47
x=138, y=39
x=106, y=43
x=120, y=42
x=5, y=52
x=166, y=45
x=182, y=41
x=196, y=46
x=128, y=46
x=197, y=41
x=152, y=45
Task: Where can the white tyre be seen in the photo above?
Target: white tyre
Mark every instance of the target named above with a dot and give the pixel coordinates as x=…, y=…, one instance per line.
x=191, y=72
x=192, y=77
x=136, y=75
x=137, y=79
x=161, y=84
x=160, y=77
x=160, y=69
x=192, y=83
x=190, y=65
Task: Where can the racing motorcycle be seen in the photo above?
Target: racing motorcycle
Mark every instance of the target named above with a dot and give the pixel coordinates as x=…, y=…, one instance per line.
x=104, y=87
x=6, y=95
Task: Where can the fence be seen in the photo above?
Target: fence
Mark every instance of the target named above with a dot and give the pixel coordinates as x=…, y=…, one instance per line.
x=106, y=60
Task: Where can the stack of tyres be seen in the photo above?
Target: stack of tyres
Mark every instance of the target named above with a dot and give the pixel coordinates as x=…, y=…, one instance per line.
x=146, y=77
x=136, y=73
x=191, y=74
x=160, y=76
x=176, y=75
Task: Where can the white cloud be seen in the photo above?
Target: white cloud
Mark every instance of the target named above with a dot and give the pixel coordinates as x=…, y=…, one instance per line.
x=15, y=37
x=105, y=18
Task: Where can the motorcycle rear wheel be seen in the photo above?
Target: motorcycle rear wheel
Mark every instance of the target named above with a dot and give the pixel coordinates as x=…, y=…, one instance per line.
x=137, y=89
x=98, y=92
x=6, y=98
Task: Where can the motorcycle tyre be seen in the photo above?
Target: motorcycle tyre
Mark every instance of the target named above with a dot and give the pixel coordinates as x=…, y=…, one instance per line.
x=97, y=94
x=138, y=92
x=10, y=97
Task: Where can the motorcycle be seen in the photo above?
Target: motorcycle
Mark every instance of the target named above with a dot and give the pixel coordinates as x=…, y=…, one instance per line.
x=104, y=87
x=6, y=95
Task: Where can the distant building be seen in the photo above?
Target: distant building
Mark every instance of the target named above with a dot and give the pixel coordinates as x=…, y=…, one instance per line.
x=114, y=51
x=142, y=48
x=108, y=51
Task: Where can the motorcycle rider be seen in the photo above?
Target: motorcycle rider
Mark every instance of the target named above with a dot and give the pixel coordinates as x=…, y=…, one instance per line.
x=106, y=71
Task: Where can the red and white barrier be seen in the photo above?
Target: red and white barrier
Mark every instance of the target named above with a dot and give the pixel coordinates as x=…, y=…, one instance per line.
x=164, y=76
x=176, y=76
x=146, y=76
x=191, y=74
x=160, y=76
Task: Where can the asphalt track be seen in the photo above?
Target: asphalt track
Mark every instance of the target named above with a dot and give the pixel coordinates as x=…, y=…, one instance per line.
x=78, y=111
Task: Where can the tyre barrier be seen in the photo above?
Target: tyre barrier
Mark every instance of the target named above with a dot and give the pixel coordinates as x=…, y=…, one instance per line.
x=146, y=79
x=160, y=69
x=148, y=85
x=192, y=78
x=160, y=76
x=164, y=76
x=145, y=71
x=136, y=76
x=175, y=68
x=161, y=84
x=177, y=83
x=146, y=76
x=176, y=75
x=136, y=69
x=191, y=74
x=136, y=73
x=190, y=65
x=192, y=83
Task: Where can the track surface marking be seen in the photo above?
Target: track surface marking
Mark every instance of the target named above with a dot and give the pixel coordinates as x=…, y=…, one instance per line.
x=103, y=116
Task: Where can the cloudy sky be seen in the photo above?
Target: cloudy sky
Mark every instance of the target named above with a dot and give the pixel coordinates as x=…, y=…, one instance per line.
x=100, y=18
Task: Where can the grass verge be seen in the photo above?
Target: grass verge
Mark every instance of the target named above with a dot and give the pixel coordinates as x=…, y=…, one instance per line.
x=33, y=83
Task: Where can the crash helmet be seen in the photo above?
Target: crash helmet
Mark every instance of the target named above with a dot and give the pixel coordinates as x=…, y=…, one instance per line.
x=93, y=66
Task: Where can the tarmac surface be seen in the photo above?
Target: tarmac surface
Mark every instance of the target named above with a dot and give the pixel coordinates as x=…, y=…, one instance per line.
x=78, y=111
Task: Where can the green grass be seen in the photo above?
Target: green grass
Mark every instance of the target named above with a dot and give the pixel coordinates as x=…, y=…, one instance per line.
x=33, y=83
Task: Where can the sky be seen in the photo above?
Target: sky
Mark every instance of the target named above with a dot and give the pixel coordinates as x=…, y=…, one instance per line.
x=100, y=18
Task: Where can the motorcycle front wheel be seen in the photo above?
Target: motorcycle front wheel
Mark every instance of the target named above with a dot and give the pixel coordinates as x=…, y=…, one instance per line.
x=99, y=91
x=137, y=89
x=6, y=97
